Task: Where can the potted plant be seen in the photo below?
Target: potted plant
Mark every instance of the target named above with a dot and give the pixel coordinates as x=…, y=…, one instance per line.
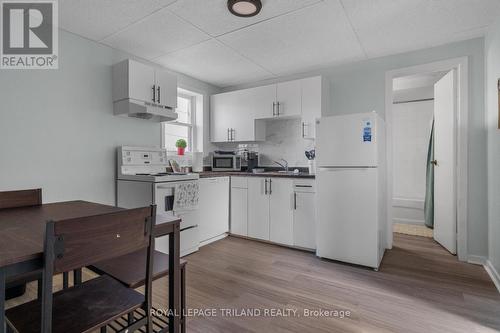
x=181, y=145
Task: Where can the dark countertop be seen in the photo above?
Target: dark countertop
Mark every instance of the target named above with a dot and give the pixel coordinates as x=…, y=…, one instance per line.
x=210, y=174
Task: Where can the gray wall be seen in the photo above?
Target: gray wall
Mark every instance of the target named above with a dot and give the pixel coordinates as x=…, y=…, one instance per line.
x=360, y=87
x=58, y=131
x=492, y=75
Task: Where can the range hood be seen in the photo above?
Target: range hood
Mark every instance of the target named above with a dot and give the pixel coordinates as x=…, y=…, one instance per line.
x=144, y=110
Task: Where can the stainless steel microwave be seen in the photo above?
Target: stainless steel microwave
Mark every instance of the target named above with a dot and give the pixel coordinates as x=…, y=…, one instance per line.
x=226, y=163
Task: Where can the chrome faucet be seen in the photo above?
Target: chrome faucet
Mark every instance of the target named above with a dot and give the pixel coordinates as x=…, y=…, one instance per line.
x=284, y=165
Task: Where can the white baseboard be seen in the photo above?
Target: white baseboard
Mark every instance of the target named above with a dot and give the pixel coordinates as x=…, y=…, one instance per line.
x=477, y=260
x=493, y=274
x=214, y=239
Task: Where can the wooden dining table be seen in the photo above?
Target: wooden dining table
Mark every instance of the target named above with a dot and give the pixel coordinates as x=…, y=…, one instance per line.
x=22, y=233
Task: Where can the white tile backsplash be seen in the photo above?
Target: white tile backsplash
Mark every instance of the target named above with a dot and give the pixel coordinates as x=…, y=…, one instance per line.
x=283, y=140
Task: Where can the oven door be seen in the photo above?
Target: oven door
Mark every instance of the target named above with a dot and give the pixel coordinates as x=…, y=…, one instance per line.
x=164, y=200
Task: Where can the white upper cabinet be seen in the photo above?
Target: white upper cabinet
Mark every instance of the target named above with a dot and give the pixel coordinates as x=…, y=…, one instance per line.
x=233, y=118
x=137, y=81
x=288, y=99
x=165, y=95
x=133, y=80
x=312, y=104
x=238, y=115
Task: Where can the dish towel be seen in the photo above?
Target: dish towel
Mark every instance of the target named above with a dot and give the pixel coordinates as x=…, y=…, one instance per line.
x=186, y=196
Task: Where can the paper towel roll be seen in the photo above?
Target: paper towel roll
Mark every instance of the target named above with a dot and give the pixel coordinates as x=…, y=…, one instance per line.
x=197, y=162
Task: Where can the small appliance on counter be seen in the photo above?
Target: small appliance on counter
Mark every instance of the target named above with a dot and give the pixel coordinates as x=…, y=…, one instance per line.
x=249, y=156
x=252, y=160
x=226, y=161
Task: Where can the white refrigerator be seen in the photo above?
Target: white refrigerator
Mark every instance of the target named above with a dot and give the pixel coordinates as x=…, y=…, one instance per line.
x=351, y=189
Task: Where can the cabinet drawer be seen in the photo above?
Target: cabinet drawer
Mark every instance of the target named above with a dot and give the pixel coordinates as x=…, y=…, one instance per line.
x=304, y=185
x=239, y=182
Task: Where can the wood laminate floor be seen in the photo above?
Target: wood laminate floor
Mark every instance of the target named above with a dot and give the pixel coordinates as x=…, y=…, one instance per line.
x=419, y=288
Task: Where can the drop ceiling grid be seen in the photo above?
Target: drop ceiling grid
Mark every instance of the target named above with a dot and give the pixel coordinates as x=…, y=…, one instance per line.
x=306, y=38
x=385, y=28
x=97, y=19
x=317, y=33
x=211, y=61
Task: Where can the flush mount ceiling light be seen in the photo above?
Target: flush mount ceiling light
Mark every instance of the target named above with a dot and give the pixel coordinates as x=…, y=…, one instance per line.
x=244, y=8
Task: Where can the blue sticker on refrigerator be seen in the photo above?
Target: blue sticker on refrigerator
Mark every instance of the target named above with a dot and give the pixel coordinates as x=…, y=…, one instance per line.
x=367, y=131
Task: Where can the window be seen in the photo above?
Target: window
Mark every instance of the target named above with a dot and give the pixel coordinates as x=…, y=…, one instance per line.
x=182, y=128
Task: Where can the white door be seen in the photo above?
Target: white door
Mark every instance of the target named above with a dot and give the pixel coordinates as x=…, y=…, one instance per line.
x=166, y=89
x=304, y=217
x=311, y=105
x=288, y=97
x=141, y=82
x=258, y=208
x=445, y=216
x=281, y=210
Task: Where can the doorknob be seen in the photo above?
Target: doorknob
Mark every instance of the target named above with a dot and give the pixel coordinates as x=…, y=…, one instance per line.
x=435, y=162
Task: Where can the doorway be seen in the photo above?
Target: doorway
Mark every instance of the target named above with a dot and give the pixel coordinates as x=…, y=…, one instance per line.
x=426, y=116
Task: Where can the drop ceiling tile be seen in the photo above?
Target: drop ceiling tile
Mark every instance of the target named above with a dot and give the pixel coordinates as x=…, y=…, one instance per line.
x=213, y=17
x=309, y=38
x=97, y=19
x=393, y=26
x=158, y=34
x=214, y=63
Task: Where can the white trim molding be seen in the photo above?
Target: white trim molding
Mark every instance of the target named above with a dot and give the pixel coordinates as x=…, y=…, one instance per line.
x=493, y=273
x=461, y=66
x=477, y=260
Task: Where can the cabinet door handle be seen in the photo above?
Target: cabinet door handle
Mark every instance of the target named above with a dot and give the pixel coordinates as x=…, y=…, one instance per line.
x=265, y=186
x=274, y=109
x=233, y=134
x=154, y=93
x=295, y=200
x=270, y=186
x=278, y=108
x=303, y=129
x=159, y=98
x=228, y=139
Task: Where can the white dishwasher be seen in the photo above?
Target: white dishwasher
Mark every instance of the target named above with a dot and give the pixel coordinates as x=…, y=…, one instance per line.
x=212, y=215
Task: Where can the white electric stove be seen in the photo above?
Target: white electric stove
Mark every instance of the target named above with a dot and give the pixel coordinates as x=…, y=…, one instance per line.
x=142, y=180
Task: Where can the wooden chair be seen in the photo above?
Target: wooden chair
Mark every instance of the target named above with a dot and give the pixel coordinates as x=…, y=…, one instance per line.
x=79, y=242
x=16, y=286
x=126, y=269
x=129, y=270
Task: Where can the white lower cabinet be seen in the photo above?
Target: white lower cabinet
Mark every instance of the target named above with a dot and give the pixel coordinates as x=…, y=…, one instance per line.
x=281, y=210
x=213, y=209
x=239, y=206
x=304, y=214
x=304, y=221
x=258, y=208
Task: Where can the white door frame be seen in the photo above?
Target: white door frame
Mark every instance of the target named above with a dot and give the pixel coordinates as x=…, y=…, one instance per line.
x=462, y=120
